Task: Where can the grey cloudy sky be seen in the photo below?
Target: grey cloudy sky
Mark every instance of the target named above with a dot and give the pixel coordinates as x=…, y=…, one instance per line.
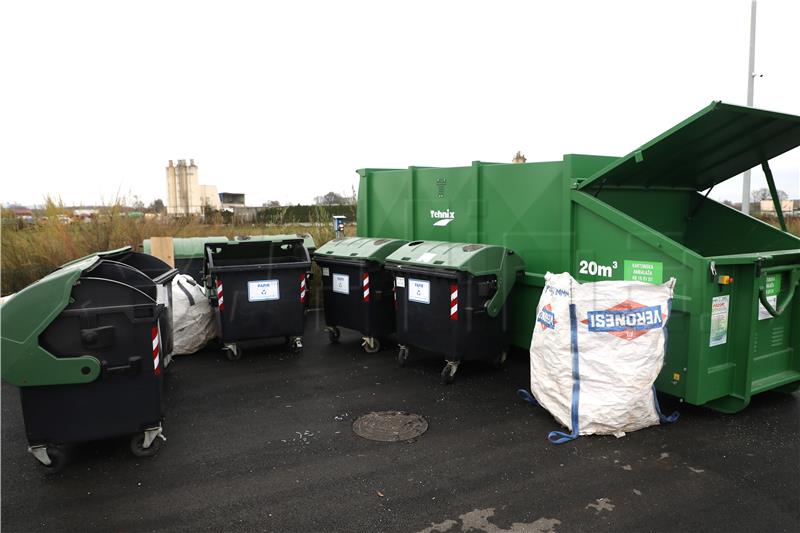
x=284, y=100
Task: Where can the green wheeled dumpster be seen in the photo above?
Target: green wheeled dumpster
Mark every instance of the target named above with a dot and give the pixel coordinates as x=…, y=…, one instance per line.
x=258, y=289
x=358, y=293
x=735, y=327
x=84, y=345
x=451, y=300
x=188, y=253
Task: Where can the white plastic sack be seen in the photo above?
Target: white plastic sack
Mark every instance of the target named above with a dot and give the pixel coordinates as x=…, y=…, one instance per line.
x=193, y=322
x=596, y=351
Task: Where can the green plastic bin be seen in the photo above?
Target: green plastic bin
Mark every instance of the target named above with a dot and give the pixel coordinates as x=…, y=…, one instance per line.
x=357, y=290
x=451, y=300
x=85, y=346
x=735, y=328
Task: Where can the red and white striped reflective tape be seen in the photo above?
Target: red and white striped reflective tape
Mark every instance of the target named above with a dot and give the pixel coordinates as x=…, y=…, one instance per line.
x=454, y=301
x=220, y=300
x=365, y=286
x=302, y=288
x=156, y=350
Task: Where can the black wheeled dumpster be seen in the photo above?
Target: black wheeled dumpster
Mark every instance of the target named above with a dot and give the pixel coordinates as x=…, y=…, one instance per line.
x=357, y=290
x=259, y=289
x=84, y=345
x=451, y=300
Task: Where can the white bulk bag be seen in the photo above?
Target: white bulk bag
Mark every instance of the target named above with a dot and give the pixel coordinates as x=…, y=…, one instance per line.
x=596, y=351
x=193, y=323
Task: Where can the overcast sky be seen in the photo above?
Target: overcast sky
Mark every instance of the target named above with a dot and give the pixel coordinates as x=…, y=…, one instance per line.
x=284, y=100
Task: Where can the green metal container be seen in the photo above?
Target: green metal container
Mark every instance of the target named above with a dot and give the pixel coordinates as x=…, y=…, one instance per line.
x=188, y=253
x=639, y=217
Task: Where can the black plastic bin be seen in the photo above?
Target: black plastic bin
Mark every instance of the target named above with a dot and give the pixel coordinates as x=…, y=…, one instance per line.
x=357, y=290
x=451, y=300
x=85, y=346
x=258, y=289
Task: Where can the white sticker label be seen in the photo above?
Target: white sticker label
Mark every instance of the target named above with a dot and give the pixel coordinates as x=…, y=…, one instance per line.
x=267, y=289
x=341, y=283
x=719, y=320
x=419, y=291
x=427, y=257
x=326, y=271
x=400, y=282
x=763, y=314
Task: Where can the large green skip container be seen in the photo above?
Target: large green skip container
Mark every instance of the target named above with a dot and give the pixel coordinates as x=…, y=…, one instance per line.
x=639, y=217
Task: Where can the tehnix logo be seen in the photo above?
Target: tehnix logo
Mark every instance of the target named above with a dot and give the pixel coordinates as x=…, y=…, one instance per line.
x=442, y=218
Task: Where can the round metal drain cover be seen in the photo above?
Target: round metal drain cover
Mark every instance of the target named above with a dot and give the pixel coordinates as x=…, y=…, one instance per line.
x=390, y=426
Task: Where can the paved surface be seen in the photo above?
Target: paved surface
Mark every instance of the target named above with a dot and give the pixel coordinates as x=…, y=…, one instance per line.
x=265, y=444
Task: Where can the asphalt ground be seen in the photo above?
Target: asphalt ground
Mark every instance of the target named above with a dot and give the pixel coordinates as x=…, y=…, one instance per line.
x=265, y=444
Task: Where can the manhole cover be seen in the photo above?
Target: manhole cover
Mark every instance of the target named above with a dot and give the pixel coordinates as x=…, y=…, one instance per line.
x=390, y=426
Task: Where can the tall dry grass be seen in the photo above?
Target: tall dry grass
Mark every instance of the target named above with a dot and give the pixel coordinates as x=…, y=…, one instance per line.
x=31, y=251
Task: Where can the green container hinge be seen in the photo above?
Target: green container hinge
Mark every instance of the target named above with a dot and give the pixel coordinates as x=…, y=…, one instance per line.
x=475, y=259
x=26, y=315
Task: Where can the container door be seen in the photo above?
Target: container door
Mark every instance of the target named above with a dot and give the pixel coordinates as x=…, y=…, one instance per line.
x=751, y=348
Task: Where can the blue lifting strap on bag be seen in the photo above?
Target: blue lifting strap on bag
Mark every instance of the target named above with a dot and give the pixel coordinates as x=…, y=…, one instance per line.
x=559, y=437
x=674, y=416
x=527, y=396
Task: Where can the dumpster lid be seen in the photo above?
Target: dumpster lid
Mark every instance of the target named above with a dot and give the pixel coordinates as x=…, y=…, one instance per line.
x=477, y=259
x=101, y=255
x=713, y=145
x=359, y=248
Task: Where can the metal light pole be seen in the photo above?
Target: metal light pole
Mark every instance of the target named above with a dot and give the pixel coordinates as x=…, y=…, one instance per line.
x=751, y=74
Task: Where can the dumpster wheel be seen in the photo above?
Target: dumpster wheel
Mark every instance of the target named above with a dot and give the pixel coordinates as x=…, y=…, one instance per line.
x=402, y=355
x=333, y=333
x=449, y=372
x=232, y=352
x=295, y=344
x=371, y=344
x=54, y=454
x=138, y=442
x=499, y=359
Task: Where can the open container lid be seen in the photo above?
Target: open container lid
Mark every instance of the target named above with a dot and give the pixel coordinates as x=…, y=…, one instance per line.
x=712, y=146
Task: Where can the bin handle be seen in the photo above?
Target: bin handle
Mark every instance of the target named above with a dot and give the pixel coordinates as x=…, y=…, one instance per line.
x=794, y=277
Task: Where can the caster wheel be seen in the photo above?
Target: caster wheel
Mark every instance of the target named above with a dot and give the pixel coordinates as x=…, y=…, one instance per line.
x=449, y=373
x=58, y=460
x=295, y=344
x=138, y=449
x=232, y=352
x=499, y=359
x=373, y=347
x=333, y=334
x=402, y=356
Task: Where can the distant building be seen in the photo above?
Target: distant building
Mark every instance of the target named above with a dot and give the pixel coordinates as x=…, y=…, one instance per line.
x=231, y=200
x=788, y=207
x=185, y=195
